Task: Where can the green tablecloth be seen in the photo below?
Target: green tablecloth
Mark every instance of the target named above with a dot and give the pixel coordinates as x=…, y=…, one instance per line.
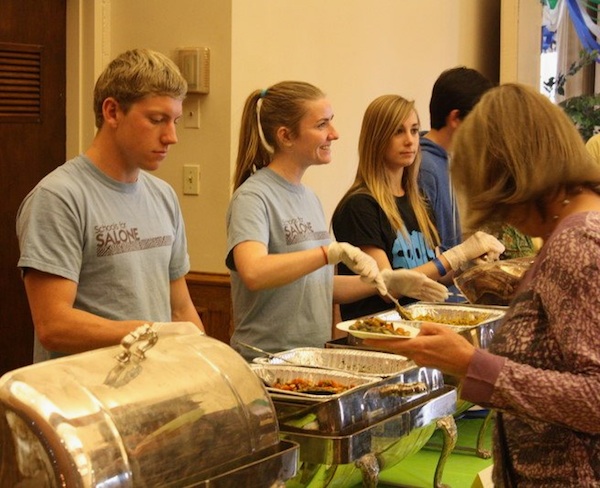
x=461, y=468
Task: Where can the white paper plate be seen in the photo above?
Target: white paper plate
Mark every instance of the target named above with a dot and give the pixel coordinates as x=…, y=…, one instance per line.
x=345, y=327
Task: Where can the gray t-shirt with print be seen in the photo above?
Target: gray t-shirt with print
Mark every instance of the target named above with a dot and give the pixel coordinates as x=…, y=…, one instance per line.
x=122, y=243
x=286, y=218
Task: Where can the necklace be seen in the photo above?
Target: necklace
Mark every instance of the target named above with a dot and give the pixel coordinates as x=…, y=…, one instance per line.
x=564, y=203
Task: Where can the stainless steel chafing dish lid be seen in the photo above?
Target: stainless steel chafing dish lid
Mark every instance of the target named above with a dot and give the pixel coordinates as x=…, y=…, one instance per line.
x=166, y=413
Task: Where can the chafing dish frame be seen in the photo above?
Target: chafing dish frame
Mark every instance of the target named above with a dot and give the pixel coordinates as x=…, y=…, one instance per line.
x=324, y=448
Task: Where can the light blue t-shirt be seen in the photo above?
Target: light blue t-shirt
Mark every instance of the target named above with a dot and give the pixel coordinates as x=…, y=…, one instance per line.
x=122, y=243
x=286, y=218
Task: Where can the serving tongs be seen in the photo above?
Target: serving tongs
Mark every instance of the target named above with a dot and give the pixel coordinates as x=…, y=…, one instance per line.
x=403, y=312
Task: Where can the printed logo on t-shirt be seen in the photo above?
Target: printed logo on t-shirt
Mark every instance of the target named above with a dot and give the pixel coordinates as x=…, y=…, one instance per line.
x=118, y=238
x=298, y=230
x=408, y=255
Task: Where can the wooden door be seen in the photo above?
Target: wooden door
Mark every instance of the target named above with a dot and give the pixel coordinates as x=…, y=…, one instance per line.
x=32, y=143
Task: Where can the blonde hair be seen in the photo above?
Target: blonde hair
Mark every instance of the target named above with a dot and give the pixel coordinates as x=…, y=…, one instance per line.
x=265, y=111
x=134, y=75
x=516, y=147
x=381, y=121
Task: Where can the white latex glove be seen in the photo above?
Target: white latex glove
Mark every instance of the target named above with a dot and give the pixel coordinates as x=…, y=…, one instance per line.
x=480, y=247
x=413, y=284
x=358, y=261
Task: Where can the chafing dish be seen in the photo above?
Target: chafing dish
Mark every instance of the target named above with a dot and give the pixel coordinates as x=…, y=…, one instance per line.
x=480, y=335
x=172, y=410
x=350, y=437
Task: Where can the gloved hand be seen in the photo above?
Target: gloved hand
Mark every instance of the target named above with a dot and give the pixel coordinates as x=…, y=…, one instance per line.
x=358, y=261
x=413, y=284
x=480, y=247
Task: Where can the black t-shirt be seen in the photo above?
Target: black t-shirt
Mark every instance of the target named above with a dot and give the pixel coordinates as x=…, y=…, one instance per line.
x=362, y=222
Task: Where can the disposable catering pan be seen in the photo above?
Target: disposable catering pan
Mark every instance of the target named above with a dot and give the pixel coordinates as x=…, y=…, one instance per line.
x=276, y=374
x=349, y=360
x=160, y=410
x=368, y=401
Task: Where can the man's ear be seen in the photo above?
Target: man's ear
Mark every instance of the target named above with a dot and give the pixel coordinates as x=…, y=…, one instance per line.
x=110, y=110
x=454, y=119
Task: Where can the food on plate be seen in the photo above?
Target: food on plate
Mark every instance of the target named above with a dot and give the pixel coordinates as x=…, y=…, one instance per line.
x=378, y=326
x=304, y=385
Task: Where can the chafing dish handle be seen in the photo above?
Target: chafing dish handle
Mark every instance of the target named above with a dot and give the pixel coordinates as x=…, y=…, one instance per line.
x=403, y=389
x=145, y=338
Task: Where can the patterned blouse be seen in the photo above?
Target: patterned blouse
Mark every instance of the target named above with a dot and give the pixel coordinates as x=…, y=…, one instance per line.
x=542, y=372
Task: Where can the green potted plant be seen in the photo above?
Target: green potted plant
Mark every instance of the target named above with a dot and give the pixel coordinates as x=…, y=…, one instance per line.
x=583, y=109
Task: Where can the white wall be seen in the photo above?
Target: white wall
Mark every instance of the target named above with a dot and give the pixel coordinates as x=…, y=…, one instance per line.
x=113, y=26
x=165, y=26
x=520, y=37
x=355, y=50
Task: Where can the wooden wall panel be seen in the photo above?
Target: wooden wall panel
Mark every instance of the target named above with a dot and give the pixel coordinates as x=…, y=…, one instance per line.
x=32, y=143
x=211, y=294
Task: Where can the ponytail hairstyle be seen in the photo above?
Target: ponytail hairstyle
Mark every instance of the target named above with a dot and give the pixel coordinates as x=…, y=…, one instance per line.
x=265, y=111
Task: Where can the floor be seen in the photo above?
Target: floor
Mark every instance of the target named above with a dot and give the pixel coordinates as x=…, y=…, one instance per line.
x=462, y=467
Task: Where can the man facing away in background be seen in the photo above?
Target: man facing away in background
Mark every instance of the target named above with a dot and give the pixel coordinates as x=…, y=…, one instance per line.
x=454, y=94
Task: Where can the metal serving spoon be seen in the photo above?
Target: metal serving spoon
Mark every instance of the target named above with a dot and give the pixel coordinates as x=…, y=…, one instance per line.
x=266, y=353
x=403, y=312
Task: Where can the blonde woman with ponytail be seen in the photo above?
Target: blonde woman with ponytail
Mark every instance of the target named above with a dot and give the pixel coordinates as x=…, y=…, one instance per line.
x=279, y=249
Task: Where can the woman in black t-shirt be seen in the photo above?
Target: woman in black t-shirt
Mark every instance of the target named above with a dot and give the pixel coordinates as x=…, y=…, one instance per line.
x=385, y=214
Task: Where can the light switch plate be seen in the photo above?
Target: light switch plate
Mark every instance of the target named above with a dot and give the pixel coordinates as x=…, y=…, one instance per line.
x=191, y=179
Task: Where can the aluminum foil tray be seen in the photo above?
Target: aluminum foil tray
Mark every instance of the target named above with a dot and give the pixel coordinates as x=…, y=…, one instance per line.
x=352, y=361
x=473, y=316
x=279, y=373
x=479, y=335
x=363, y=405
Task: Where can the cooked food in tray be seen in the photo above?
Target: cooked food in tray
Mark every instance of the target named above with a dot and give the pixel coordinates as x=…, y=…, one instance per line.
x=314, y=383
x=493, y=283
x=463, y=317
x=307, y=386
